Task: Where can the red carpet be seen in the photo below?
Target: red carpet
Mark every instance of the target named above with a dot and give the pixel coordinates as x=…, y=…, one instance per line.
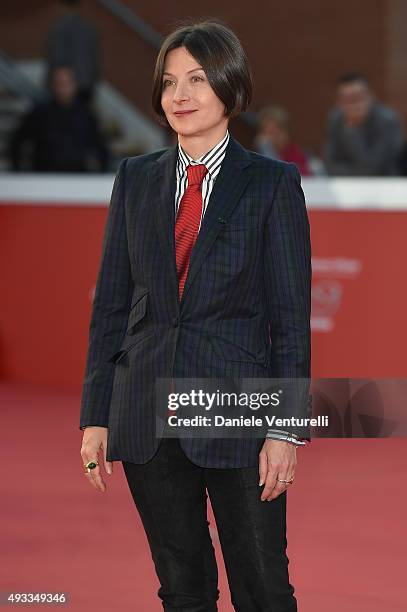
x=347, y=528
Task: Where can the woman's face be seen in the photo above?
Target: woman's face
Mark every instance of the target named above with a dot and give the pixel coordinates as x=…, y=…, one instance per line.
x=190, y=105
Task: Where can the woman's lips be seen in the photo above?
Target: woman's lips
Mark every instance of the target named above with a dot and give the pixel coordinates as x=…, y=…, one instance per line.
x=181, y=113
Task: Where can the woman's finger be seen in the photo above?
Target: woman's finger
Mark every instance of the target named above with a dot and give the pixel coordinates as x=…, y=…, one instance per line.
x=91, y=481
x=262, y=467
x=280, y=487
x=108, y=464
x=271, y=477
x=94, y=476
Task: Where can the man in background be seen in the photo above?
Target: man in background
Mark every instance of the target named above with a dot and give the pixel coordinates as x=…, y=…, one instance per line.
x=75, y=42
x=364, y=137
x=59, y=135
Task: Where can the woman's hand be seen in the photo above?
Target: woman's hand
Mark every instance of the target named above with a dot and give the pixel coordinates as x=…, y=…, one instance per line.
x=95, y=440
x=277, y=459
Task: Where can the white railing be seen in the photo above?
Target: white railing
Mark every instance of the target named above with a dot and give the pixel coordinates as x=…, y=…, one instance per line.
x=76, y=190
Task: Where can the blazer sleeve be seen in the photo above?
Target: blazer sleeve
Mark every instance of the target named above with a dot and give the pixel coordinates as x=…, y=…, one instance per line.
x=287, y=268
x=111, y=305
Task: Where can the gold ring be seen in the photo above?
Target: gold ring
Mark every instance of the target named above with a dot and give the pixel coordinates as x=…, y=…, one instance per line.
x=286, y=481
x=90, y=465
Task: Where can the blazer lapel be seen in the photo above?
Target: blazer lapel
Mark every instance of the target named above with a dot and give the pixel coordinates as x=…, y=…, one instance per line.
x=234, y=175
x=162, y=182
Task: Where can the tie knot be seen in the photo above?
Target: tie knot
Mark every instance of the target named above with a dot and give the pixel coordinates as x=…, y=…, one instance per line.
x=196, y=174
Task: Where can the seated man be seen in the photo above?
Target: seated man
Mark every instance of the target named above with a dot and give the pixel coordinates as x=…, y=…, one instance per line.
x=60, y=135
x=364, y=137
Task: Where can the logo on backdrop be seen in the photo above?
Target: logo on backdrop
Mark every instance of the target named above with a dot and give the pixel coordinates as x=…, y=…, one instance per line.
x=328, y=288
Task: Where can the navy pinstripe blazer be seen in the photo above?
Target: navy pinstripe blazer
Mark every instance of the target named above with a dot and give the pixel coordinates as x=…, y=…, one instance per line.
x=249, y=274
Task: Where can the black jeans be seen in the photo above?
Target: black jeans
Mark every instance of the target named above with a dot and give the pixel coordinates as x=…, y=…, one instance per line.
x=170, y=495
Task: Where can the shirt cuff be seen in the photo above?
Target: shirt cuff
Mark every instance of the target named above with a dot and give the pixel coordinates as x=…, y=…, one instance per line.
x=279, y=434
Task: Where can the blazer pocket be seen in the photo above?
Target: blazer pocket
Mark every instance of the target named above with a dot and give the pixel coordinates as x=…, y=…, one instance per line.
x=118, y=356
x=241, y=224
x=228, y=351
x=137, y=313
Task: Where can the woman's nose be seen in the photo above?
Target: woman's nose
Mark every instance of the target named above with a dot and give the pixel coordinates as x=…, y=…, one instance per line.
x=181, y=92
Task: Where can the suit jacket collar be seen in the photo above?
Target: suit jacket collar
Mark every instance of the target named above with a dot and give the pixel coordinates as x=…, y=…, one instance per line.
x=229, y=185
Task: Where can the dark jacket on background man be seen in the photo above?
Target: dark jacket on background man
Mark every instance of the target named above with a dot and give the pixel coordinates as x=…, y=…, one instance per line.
x=369, y=149
x=60, y=138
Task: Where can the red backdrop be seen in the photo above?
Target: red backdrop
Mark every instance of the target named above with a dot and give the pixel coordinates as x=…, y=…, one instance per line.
x=49, y=257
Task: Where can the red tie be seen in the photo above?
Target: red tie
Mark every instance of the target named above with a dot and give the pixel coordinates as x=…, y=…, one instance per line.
x=187, y=222
x=186, y=229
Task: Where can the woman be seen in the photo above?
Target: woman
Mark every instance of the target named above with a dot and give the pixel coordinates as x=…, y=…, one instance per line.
x=275, y=139
x=206, y=251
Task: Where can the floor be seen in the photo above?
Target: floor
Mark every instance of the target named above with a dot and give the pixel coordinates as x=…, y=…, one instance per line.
x=347, y=528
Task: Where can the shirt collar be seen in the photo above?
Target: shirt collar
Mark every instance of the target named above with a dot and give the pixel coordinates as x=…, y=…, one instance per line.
x=184, y=159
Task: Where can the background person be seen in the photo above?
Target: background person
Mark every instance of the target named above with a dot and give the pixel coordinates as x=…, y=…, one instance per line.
x=74, y=41
x=274, y=138
x=61, y=134
x=364, y=137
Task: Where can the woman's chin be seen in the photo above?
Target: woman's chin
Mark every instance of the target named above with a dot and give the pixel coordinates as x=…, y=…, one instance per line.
x=187, y=130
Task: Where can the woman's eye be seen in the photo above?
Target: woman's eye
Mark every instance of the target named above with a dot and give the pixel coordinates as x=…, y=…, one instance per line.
x=194, y=79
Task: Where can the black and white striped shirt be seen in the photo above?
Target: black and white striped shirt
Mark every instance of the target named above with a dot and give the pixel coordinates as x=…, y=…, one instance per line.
x=213, y=161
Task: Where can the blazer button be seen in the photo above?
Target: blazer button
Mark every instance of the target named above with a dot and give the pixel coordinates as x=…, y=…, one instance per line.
x=175, y=322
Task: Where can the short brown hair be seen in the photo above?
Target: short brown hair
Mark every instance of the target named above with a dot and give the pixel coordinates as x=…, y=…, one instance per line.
x=277, y=114
x=221, y=55
x=353, y=77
